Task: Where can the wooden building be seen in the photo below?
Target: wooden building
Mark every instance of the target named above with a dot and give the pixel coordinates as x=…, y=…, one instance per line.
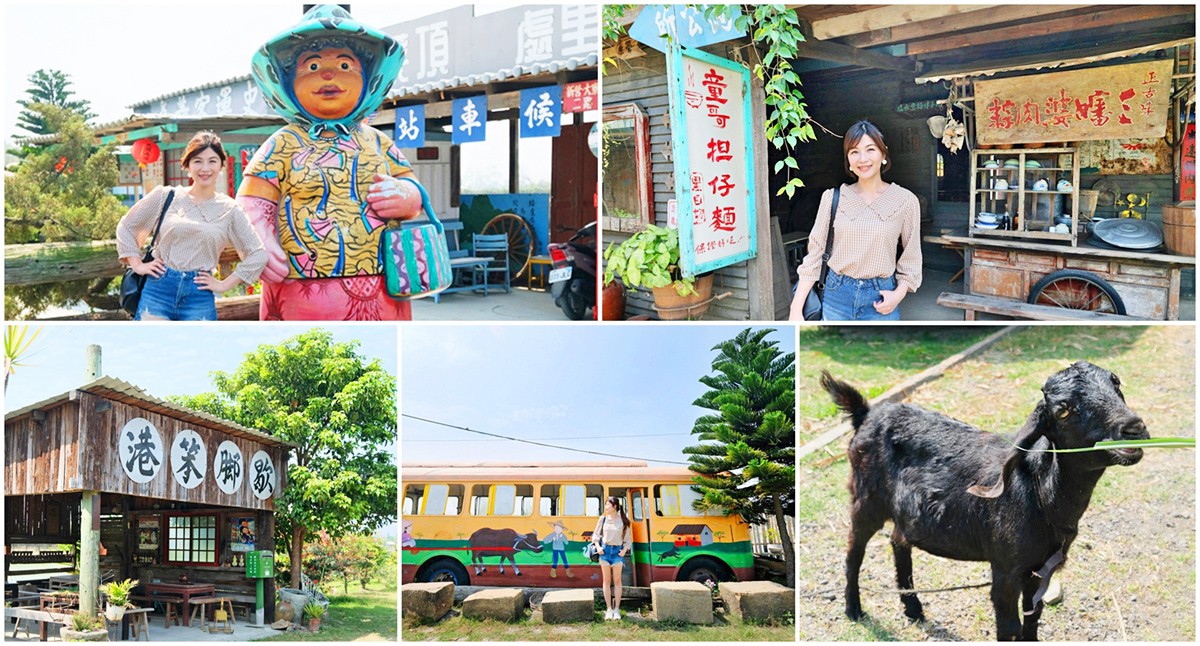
x=899, y=65
x=148, y=489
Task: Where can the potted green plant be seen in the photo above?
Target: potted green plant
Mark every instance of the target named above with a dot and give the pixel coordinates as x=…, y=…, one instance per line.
x=118, y=597
x=85, y=628
x=313, y=613
x=650, y=258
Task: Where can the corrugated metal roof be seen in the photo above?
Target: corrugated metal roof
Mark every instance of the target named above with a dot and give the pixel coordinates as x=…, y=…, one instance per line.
x=146, y=120
x=236, y=79
x=112, y=388
x=518, y=71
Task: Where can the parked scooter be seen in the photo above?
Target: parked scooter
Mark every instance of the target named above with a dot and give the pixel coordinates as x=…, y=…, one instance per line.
x=573, y=277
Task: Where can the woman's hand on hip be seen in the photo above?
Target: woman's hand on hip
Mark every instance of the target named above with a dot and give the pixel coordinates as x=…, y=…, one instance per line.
x=890, y=300
x=154, y=268
x=207, y=282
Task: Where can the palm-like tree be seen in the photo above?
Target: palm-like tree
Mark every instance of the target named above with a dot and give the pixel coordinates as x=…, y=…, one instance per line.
x=747, y=451
x=17, y=341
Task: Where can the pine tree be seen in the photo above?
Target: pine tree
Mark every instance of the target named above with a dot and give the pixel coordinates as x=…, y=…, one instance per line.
x=50, y=87
x=747, y=456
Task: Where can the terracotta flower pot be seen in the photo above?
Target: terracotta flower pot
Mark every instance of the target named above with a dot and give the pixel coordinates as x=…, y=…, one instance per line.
x=672, y=307
x=613, y=302
x=314, y=625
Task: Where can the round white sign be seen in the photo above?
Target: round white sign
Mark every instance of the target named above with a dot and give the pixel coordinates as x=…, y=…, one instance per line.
x=262, y=475
x=593, y=139
x=228, y=467
x=189, y=459
x=140, y=450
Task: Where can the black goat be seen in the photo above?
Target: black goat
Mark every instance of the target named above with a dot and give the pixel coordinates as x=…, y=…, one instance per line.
x=921, y=470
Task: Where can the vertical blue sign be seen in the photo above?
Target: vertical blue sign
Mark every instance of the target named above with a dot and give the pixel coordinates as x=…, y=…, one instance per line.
x=541, y=111
x=469, y=120
x=410, y=127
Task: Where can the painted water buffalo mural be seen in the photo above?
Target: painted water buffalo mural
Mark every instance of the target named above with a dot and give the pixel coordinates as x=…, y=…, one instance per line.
x=504, y=543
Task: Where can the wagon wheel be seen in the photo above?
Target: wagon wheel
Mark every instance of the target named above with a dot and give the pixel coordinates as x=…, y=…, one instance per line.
x=1077, y=290
x=520, y=240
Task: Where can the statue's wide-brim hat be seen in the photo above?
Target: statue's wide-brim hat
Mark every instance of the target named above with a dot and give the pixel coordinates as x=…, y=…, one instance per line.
x=274, y=64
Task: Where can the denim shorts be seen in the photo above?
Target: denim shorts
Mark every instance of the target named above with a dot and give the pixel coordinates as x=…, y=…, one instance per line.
x=612, y=555
x=853, y=299
x=176, y=297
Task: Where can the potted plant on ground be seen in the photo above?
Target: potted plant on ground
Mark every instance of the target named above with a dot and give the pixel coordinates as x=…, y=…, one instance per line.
x=118, y=597
x=650, y=258
x=85, y=628
x=313, y=613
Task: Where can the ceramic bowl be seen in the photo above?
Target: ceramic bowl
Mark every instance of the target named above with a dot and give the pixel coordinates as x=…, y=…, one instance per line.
x=1033, y=163
x=991, y=164
x=1064, y=186
x=980, y=225
x=1041, y=185
x=1012, y=163
x=1000, y=184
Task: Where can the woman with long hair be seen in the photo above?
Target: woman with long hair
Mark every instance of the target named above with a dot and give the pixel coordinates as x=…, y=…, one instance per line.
x=615, y=539
x=199, y=223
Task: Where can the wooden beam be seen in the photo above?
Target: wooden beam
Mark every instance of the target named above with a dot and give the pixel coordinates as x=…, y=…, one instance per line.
x=885, y=17
x=953, y=23
x=1129, y=15
x=836, y=53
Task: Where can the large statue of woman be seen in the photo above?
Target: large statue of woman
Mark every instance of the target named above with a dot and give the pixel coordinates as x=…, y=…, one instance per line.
x=320, y=190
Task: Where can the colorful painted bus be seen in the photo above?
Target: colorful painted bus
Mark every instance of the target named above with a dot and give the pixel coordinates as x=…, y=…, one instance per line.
x=494, y=524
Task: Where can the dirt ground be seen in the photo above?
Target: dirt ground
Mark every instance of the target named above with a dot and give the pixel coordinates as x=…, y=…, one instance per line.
x=1131, y=573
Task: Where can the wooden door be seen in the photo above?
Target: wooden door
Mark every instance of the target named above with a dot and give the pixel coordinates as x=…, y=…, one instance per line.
x=572, y=182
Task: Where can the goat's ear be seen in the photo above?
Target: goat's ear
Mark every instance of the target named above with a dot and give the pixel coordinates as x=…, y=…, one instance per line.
x=1035, y=428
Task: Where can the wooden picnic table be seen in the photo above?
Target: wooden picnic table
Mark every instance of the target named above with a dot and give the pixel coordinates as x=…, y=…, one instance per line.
x=184, y=590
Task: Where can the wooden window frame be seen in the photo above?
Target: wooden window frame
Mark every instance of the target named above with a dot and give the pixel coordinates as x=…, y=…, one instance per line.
x=166, y=538
x=645, y=180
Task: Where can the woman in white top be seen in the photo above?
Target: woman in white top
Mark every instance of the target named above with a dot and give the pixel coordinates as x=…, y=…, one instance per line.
x=200, y=222
x=866, y=280
x=615, y=540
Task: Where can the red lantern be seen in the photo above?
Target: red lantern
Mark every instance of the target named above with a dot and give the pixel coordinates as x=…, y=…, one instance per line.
x=145, y=152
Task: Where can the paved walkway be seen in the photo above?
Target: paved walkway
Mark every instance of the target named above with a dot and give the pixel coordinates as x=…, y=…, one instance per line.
x=522, y=304
x=241, y=633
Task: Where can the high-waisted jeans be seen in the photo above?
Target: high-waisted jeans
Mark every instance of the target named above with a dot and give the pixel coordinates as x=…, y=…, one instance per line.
x=176, y=297
x=853, y=299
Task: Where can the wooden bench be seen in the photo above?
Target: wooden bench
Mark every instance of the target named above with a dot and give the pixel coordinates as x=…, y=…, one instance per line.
x=972, y=303
x=247, y=602
x=200, y=605
x=139, y=621
x=42, y=617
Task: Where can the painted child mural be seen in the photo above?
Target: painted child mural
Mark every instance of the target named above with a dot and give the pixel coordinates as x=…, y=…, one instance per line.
x=320, y=190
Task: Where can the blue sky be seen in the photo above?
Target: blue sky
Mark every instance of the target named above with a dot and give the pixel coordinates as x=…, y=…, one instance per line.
x=561, y=384
x=166, y=359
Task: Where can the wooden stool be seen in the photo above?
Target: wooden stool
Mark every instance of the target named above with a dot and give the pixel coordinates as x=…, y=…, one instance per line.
x=171, y=611
x=200, y=607
x=139, y=623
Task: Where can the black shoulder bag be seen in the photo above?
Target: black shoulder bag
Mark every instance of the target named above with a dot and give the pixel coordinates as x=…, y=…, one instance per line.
x=812, y=302
x=133, y=282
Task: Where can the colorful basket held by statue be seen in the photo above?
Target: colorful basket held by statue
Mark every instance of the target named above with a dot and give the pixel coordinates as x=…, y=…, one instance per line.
x=416, y=260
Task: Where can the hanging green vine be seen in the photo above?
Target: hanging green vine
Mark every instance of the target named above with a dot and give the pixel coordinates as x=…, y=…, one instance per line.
x=775, y=29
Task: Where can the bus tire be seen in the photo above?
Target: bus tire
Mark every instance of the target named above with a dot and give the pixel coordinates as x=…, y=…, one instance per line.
x=445, y=569
x=702, y=568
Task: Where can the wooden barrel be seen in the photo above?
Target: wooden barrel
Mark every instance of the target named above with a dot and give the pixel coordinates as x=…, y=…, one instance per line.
x=1179, y=228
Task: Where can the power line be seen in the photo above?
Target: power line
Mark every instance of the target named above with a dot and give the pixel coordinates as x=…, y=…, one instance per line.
x=552, y=446
x=590, y=437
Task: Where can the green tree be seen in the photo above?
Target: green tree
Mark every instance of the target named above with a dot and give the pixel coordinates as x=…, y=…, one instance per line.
x=49, y=87
x=352, y=557
x=747, y=456
x=61, y=192
x=339, y=409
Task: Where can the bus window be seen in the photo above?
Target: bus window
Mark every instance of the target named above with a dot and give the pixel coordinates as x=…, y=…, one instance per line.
x=674, y=500
x=571, y=500
x=502, y=500
x=637, y=506
x=442, y=500
x=412, y=498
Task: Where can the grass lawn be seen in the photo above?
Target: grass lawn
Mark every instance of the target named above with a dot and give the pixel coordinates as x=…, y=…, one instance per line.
x=457, y=628
x=362, y=615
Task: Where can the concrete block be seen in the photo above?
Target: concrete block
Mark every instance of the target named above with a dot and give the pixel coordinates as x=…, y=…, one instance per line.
x=566, y=606
x=501, y=604
x=426, y=601
x=686, y=601
x=758, y=600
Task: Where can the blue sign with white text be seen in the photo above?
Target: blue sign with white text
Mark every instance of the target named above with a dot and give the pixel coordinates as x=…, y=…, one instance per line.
x=469, y=120
x=684, y=24
x=541, y=111
x=410, y=127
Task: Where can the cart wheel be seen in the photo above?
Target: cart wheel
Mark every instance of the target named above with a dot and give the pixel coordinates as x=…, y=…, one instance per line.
x=1077, y=290
x=520, y=240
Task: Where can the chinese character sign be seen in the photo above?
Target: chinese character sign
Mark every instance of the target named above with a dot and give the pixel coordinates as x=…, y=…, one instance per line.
x=1117, y=102
x=715, y=193
x=541, y=108
x=262, y=475
x=140, y=450
x=685, y=24
x=229, y=467
x=581, y=96
x=469, y=119
x=189, y=459
x=410, y=127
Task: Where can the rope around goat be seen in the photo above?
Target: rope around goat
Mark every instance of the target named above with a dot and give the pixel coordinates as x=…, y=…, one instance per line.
x=897, y=590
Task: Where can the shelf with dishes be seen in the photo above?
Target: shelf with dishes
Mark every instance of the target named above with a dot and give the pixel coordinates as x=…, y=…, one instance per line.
x=1025, y=193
